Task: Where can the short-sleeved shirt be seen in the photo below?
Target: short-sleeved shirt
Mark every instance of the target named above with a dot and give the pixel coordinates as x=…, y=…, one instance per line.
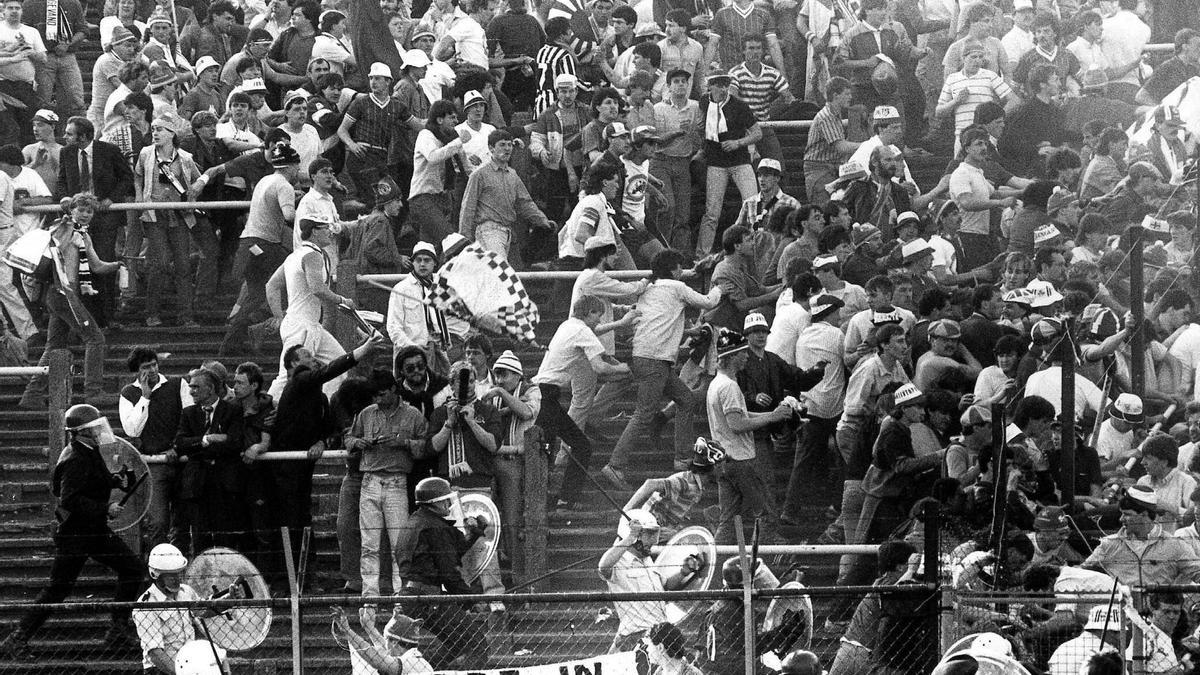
x=738, y=120
x=165, y=629
x=969, y=180
x=758, y=91
x=22, y=70
x=733, y=23
x=823, y=136
x=291, y=47
x=687, y=57
x=984, y=86
x=265, y=220
x=680, y=492
x=668, y=119
x=28, y=183
x=571, y=349
x=637, y=182
x=725, y=397
x=632, y=574
x=374, y=124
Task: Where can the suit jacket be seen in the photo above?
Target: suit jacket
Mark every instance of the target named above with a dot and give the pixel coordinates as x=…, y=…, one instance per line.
x=219, y=465
x=112, y=176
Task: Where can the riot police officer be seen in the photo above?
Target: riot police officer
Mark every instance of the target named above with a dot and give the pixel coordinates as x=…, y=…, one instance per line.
x=83, y=484
x=430, y=558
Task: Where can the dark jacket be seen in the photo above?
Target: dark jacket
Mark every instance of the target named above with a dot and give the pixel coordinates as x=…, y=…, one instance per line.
x=980, y=335
x=860, y=200
x=482, y=463
x=218, y=464
x=303, y=416
x=112, y=176
x=773, y=376
x=431, y=551
x=82, y=483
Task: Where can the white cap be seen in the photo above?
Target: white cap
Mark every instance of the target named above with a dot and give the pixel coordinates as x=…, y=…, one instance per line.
x=885, y=112
x=1143, y=494
x=566, y=80
x=254, y=84
x=1102, y=617
x=206, y=62
x=471, y=98
x=451, y=240
x=1045, y=233
x=380, y=70
x=1019, y=5
x=415, y=58
x=915, y=248
x=1020, y=296
x=199, y=657
x=47, y=116
x=1042, y=293
x=770, y=164
x=426, y=248
x=906, y=394
x=754, y=320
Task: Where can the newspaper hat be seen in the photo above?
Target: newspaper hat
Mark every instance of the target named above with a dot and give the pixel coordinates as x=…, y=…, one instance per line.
x=908, y=394
x=1104, y=617
x=823, y=261
x=283, y=155
x=473, y=97
x=823, y=305
x=885, y=113
x=1042, y=298
x=1022, y=5
x=204, y=63
x=754, y=321
x=509, y=361
x=1128, y=409
x=616, y=130
x=379, y=69
x=852, y=170
x=1143, y=495
x=453, y=243
x=48, y=116
x=945, y=328
x=169, y=121
x=1018, y=296
x=254, y=85
x=730, y=342
x=425, y=248
x=1045, y=233
x=159, y=16
x=886, y=315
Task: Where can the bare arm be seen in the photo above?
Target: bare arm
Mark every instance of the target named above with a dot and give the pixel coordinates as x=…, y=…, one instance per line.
x=275, y=288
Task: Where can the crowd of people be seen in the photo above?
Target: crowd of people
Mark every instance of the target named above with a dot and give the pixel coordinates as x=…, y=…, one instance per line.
x=849, y=345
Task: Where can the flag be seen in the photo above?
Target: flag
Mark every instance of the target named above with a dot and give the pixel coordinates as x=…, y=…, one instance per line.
x=370, y=37
x=478, y=284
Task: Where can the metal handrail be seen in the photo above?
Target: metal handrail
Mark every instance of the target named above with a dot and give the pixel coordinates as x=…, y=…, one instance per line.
x=24, y=371
x=562, y=275
x=151, y=206
x=279, y=456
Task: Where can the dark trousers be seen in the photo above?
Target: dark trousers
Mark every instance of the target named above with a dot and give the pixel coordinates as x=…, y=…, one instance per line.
x=262, y=541
x=293, y=488
x=73, y=546
x=255, y=269
x=365, y=171
x=553, y=419
x=813, y=469
x=104, y=231
x=978, y=250
x=559, y=196
x=742, y=491
x=22, y=117
x=452, y=626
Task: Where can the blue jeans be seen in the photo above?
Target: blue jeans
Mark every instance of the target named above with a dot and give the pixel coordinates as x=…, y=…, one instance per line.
x=654, y=380
x=382, y=507
x=714, y=199
x=60, y=74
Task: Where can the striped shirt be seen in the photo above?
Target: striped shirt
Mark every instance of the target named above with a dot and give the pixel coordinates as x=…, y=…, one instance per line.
x=758, y=91
x=374, y=124
x=733, y=23
x=982, y=87
x=552, y=60
x=823, y=136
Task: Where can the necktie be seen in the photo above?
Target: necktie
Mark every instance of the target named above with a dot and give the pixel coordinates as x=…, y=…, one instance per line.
x=85, y=172
x=208, y=415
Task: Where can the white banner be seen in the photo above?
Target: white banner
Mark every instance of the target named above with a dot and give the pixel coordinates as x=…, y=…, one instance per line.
x=623, y=663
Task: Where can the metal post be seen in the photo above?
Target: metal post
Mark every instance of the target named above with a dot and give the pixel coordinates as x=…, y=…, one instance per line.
x=1137, y=291
x=747, y=597
x=999, y=475
x=1066, y=354
x=59, y=379
x=933, y=571
x=294, y=597
x=339, y=324
x=534, y=536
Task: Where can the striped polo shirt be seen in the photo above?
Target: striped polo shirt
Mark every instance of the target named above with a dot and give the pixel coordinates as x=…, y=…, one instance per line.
x=758, y=91
x=733, y=23
x=982, y=87
x=825, y=132
x=374, y=124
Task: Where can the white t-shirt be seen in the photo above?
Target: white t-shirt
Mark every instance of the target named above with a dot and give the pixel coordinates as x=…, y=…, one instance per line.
x=306, y=143
x=28, y=183
x=476, y=149
x=863, y=155
x=1016, y=42
x=228, y=131
x=470, y=41
x=1112, y=444
x=333, y=50
x=789, y=321
x=571, y=350
x=969, y=180
x=724, y=397
x=990, y=381
x=23, y=70
x=637, y=180
x=1048, y=384
x=944, y=254
x=1187, y=351
x=823, y=342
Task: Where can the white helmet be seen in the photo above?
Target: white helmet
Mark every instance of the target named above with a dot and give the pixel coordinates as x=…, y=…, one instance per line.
x=644, y=518
x=200, y=657
x=990, y=644
x=166, y=558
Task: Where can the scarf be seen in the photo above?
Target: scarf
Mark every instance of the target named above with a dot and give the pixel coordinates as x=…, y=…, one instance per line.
x=714, y=121
x=883, y=206
x=453, y=167
x=58, y=28
x=86, y=287
x=435, y=320
x=456, y=451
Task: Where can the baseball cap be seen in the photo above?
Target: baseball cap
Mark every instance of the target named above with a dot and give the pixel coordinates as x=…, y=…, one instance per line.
x=769, y=164
x=616, y=129
x=566, y=80
x=754, y=321
x=471, y=98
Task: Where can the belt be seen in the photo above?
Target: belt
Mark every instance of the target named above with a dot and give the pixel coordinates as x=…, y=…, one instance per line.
x=422, y=586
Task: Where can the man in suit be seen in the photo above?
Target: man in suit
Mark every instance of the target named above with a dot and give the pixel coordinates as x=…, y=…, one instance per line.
x=211, y=435
x=88, y=165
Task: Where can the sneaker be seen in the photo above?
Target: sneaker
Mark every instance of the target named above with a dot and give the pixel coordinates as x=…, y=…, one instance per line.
x=615, y=477
x=153, y=321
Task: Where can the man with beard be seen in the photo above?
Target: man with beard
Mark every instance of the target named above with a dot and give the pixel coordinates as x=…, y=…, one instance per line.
x=873, y=200
x=426, y=391
x=412, y=322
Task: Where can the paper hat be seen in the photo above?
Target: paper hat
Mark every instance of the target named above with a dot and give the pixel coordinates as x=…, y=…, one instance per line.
x=975, y=415
x=945, y=328
x=47, y=116
x=473, y=97
x=169, y=121
x=1143, y=494
x=823, y=261
x=823, y=305
x=566, y=80
x=206, y=62
x=730, y=342
x=415, y=58
x=886, y=315
x=908, y=394
x=254, y=85
x=508, y=361
x=1020, y=296
x=913, y=250
x=769, y=164
x=754, y=321
x=1045, y=233
x=885, y=113
x=1127, y=408
x=453, y=243
x=1104, y=618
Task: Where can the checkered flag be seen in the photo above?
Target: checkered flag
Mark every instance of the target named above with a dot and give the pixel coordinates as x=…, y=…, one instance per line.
x=478, y=284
